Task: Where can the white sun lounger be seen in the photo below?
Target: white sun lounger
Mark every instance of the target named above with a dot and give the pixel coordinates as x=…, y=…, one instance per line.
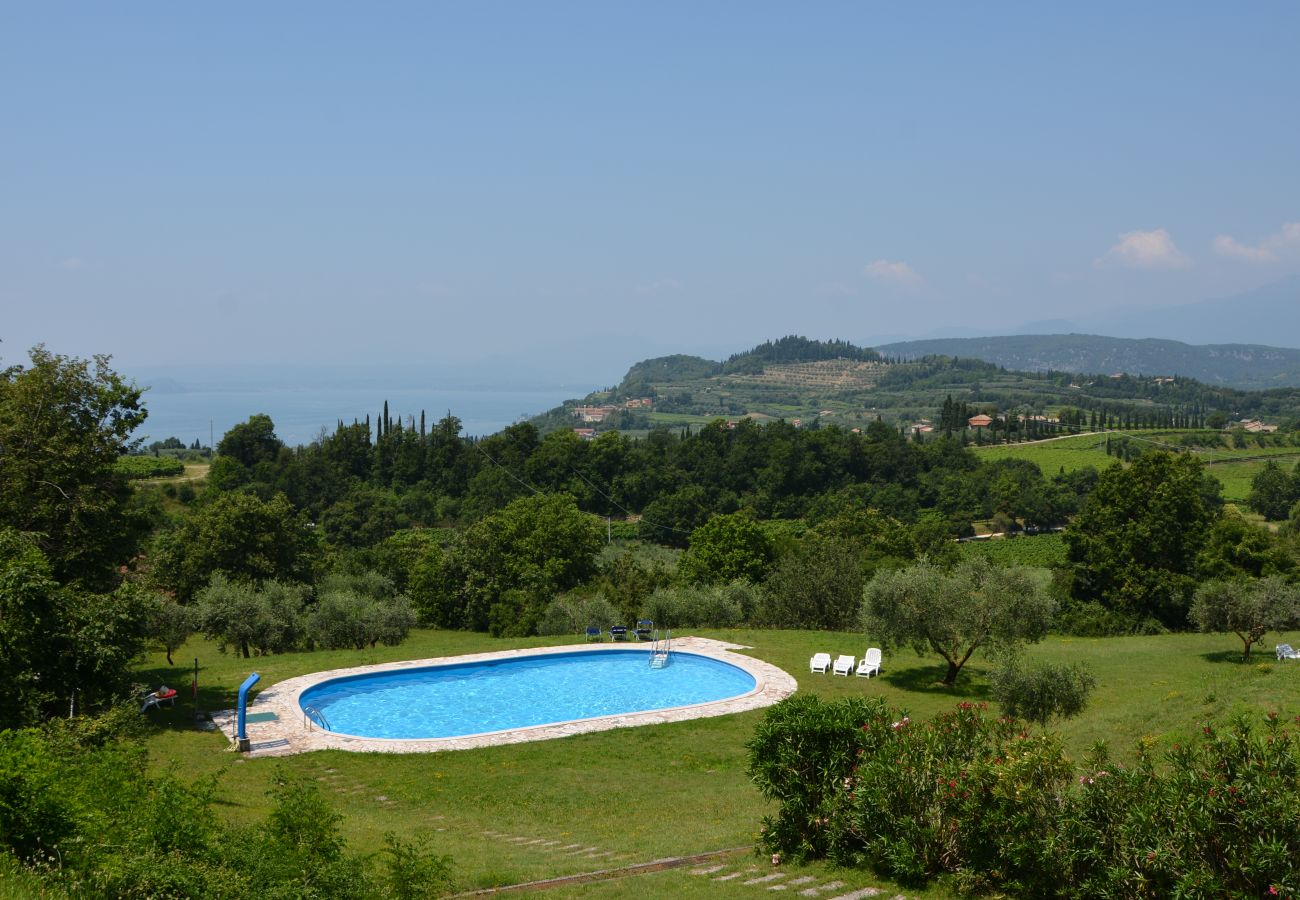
x=1284, y=651
x=820, y=662
x=843, y=665
x=870, y=664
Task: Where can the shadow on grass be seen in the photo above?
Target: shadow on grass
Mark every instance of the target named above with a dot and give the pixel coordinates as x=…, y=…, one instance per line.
x=1234, y=656
x=927, y=680
x=180, y=715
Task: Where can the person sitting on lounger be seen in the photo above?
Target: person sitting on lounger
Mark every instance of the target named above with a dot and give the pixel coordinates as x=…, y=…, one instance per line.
x=164, y=694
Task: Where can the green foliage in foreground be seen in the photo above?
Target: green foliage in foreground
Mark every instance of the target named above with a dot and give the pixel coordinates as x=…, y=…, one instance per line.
x=80, y=812
x=149, y=466
x=61, y=645
x=1002, y=809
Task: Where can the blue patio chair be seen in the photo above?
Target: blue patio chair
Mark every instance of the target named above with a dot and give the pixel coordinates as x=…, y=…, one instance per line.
x=618, y=632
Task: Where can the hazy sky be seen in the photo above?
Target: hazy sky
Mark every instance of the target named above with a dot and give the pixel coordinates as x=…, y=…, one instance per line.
x=366, y=183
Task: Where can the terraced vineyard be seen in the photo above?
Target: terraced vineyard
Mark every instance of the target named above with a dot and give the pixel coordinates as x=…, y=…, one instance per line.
x=831, y=374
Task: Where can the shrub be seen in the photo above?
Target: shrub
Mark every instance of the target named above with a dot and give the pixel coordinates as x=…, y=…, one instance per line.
x=357, y=611
x=1043, y=691
x=1002, y=810
x=714, y=606
x=816, y=586
x=82, y=810
x=247, y=618
x=574, y=613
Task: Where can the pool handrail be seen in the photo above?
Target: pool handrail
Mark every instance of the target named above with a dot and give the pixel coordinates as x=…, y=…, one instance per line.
x=310, y=713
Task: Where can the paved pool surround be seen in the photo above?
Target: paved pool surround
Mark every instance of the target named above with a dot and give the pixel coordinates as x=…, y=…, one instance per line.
x=290, y=733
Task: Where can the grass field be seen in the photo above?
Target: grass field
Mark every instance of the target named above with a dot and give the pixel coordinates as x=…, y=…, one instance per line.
x=631, y=796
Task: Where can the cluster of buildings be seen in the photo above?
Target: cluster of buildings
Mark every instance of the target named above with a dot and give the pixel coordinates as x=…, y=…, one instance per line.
x=597, y=414
x=594, y=415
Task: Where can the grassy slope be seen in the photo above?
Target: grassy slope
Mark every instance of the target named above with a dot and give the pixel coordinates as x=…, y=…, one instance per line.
x=1233, y=467
x=678, y=789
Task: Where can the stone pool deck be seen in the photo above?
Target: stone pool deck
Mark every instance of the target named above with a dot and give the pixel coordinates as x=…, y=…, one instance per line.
x=288, y=731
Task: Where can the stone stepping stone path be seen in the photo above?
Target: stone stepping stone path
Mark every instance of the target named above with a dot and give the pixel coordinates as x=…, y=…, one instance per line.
x=349, y=787
x=803, y=885
x=577, y=851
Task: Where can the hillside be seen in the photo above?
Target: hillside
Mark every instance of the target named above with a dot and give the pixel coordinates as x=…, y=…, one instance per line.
x=837, y=383
x=1244, y=366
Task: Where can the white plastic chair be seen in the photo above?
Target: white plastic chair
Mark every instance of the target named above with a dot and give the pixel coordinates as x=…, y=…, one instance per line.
x=843, y=665
x=820, y=662
x=870, y=664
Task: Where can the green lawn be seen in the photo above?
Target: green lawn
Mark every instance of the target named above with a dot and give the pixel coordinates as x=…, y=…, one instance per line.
x=635, y=795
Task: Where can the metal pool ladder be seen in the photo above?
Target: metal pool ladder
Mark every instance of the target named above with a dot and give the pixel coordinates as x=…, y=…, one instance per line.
x=310, y=714
x=660, y=649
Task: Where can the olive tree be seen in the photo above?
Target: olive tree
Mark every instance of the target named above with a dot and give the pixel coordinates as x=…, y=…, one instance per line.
x=954, y=612
x=1042, y=691
x=1249, y=609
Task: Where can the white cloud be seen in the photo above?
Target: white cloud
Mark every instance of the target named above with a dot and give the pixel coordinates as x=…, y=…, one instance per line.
x=885, y=270
x=1145, y=250
x=1285, y=243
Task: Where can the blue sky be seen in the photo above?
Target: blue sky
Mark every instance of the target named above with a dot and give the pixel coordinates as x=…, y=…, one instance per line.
x=453, y=183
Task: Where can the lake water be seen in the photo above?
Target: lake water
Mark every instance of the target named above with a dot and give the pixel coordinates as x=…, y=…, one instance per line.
x=299, y=413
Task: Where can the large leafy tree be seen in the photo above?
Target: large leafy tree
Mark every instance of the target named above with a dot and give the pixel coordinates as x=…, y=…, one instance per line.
x=251, y=442
x=239, y=535
x=727, y=548
x=61, y=646
x=63, y=424
x=502, y=571
x=818, y=584
x=1134, y=545
x=1273, y=492
x=954, y=612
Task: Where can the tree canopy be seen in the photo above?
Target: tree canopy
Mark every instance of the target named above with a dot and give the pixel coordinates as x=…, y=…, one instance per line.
x=1134, y=545
x=954, y=612
x=63, y=424
x=1249, y=609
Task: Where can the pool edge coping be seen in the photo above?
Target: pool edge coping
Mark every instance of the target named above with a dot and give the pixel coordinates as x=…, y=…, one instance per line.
x=290, y=734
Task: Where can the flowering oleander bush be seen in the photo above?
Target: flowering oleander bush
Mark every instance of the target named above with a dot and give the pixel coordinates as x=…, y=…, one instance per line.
x=998, y=808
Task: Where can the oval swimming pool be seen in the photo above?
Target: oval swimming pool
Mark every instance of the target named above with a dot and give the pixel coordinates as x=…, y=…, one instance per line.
x=471, y=698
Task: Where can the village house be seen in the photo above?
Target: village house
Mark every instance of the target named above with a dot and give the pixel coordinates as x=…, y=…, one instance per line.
x=980, y=421
x=593, y=413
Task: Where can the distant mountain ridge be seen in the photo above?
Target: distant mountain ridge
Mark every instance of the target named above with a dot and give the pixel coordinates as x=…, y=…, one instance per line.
x=1244, y=366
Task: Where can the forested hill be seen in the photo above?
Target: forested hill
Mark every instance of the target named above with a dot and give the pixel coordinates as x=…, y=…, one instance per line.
x=1246, y=366
x=791, y=349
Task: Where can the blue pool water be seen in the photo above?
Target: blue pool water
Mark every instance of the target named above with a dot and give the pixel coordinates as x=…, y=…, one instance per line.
x=471, y=698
